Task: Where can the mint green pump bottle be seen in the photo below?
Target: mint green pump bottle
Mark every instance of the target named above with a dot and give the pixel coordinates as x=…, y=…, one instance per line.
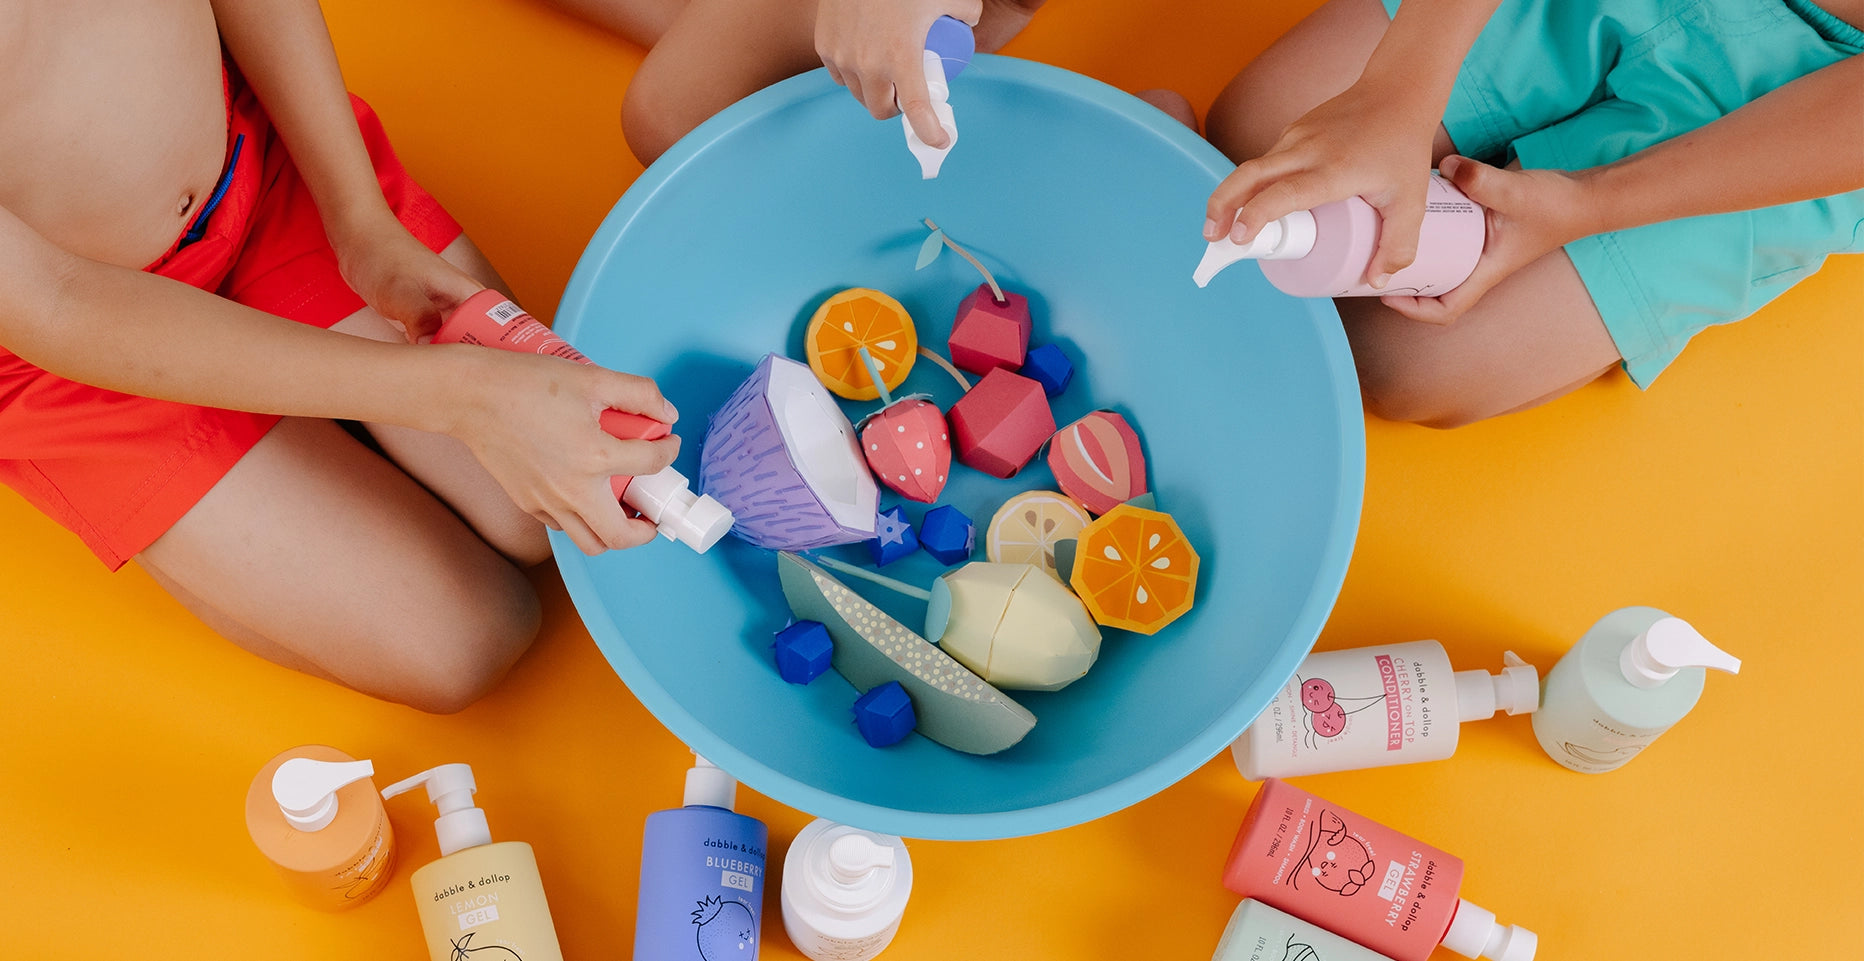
x=1633, y=675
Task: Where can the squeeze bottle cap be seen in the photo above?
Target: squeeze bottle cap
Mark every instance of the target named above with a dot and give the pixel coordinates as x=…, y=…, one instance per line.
x=709, y=786
x=1516, y=690
x=953, y=41
x=1474, y=933
x=932, y=158
x=666, y=499
x=1668, y=646
x=306, y=789
x=450, y=787
x=1288, y=238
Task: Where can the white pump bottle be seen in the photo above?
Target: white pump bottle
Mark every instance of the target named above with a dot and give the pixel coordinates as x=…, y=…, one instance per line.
x=844, y=891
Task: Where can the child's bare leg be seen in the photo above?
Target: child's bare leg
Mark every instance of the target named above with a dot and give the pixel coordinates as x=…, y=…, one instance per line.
x=317, y=553
x=1173, y=104
x=1533, y=337
x=716, y=53
x=639, y=21
x=443, y=464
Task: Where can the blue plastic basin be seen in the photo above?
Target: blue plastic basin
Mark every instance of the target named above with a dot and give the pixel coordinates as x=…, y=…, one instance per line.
x=1090, y=202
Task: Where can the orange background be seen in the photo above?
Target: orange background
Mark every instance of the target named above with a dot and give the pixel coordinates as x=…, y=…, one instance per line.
x=1729, y=494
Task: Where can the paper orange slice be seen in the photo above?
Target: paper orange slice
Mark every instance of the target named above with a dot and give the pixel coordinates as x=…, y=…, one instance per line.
x=855, y=318
x=1134, y=569
x=1027, y=526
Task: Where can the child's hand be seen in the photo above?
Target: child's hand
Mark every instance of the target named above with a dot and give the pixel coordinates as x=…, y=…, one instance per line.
x=1366, y=142
x=409, y=285
x=533, y=422
x=876, y=50
x=1530, y=214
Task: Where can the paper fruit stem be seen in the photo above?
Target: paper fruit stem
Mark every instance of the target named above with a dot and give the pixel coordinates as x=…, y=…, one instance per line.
x=881, y=579
x=995, y=290
x=933, y=356
x=873, y=372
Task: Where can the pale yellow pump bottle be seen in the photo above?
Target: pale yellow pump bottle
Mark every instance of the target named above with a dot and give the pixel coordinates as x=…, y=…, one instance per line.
x=480, y=901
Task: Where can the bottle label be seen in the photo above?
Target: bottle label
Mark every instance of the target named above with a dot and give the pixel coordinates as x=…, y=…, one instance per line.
x=1350, y=709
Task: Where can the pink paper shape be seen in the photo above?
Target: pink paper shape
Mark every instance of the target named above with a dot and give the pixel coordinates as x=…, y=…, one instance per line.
x=1001, y=423
x=988, y=334
x=1097, y=461
x=908, y=445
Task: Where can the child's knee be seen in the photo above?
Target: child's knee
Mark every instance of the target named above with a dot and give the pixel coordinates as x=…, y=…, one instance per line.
x=650, y=112
x=1247, y=117
x=454, y=648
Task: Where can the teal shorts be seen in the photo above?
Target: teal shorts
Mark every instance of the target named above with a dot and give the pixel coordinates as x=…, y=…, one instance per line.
x=1566, y=85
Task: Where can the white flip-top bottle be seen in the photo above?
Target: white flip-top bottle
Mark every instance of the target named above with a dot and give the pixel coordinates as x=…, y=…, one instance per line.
x=1633, y=675
x=1373, y=706
x=844, y=891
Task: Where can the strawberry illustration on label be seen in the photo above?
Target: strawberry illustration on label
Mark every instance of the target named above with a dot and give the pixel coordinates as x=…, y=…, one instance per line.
x=908, y=446
x=726, y=930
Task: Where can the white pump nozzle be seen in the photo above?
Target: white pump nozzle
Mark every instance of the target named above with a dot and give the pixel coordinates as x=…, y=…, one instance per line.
x=709, y=786
x=932, y=158
x=450, y=787
x=1668, y=646
x=1516, y=690
x=1288, y=238
x=306, y=789
x=852, y=857
x=666, y=500
x=1474, y=933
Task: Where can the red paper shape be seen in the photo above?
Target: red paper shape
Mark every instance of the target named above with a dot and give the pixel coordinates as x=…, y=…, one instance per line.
x=988, y=334
x=1097, y=461
x=1001, y=423
x=909, y=448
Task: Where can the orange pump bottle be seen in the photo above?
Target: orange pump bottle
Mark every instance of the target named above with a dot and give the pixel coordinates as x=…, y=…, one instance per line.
x=314, y=814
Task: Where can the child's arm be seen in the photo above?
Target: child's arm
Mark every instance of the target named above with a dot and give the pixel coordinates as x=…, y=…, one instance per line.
x=1801, y=141
x=531, y=420
x=283, y=49
x=1372, y=141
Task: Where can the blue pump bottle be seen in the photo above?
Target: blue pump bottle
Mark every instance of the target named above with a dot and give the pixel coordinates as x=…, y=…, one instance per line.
x=702, y=876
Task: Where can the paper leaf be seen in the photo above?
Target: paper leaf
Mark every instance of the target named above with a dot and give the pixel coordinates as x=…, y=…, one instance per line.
x=929, y=250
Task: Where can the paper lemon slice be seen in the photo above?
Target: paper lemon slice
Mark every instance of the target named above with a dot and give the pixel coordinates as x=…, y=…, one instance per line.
x=1027, y=526
x=855, y=318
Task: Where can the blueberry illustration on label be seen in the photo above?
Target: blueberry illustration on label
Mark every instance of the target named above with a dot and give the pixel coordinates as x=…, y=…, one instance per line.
x=464, y=951
x=726, y=930
x=1337, y=860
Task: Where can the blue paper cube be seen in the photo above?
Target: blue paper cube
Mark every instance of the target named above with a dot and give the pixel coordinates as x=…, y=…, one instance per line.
x=804, y=651
x=948, y=535
x=1048, y=366
x=893, y=537
x=884, y=715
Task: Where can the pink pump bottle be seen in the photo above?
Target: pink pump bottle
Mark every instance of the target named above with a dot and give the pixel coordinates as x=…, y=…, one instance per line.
x=1361, y=880
x=664, y=498
x=1327, y=251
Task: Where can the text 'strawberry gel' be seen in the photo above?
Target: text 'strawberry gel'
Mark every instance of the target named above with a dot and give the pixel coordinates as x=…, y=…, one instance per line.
x=1362, y=880
x=488, y=319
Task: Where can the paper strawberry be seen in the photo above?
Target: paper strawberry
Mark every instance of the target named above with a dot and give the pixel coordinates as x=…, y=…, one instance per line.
x=908, y=446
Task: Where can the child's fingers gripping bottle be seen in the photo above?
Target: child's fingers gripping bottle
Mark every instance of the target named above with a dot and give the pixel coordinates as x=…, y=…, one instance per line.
x=480, y=899
x=665, y=498
x=949, y=46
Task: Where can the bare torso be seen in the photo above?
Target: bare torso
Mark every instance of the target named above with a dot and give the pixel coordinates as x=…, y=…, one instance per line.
x=114, y=120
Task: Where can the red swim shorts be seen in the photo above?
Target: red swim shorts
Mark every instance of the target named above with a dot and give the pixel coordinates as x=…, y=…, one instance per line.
x=119, y=470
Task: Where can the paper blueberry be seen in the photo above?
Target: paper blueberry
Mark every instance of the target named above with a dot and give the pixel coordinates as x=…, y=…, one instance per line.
x=884, y=715
x=1048, y=366
x=893, y=537
x=948, y=535
x=804, y=651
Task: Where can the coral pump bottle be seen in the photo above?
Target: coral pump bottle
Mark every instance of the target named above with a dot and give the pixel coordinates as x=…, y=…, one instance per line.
x=314, y=815
x=664, y=498
x=1327, y=251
